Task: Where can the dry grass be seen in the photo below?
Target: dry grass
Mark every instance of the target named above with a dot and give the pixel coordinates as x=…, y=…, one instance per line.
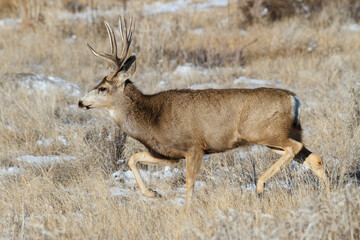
x=315, y=57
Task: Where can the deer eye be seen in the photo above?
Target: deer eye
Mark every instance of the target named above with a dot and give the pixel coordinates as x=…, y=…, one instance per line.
x=102, y=89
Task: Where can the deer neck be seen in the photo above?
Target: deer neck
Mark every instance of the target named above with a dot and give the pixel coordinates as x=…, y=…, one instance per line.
x=132, y=111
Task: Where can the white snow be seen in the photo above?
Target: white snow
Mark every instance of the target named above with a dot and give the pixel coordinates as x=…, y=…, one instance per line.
x=167, y=7
x=211, y=3
x=118, y=191
x=244, y=153
x=48, y=84
x=8, y=127
x=199, y=31
x=255, y=83
x=9, y=171
x=171, y=7
x=63, y=140
x=250, y=187
x=354, y=27
x=186, y=69
x=127, y=177
x=312, y=46
x=10, y=23
x=264, y=12
x=89, y=15
x=178, y=201
x=120, y=162
x=126, y=184
x=250, y=81
x=44, y=160
x=203, y=86
x=163, y=84
x=46, y=142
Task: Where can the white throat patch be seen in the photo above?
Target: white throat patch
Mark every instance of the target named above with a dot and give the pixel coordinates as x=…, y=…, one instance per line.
x=112, y=113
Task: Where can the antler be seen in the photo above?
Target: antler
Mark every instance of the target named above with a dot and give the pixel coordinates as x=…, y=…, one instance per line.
x=126, y=38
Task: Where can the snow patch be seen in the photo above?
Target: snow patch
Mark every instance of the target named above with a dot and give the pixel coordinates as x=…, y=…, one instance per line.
x=8, y=127
x=255, y=83
x=163, y=84
x=10, y=23
x=46, y=142
x=178, y=201
x=199, y=31
x=120, y=192
x=354, y=27
x=244, y=153
x=63, y=140
x=186, y=69
x=127, y=177
x=167, y=7
x=250, y=81
x=120, y=162
x=312, y=45
x=171, y=7
x=250, y=187
x=211, y=3
x=44, y=160
x=48, y=84
x=204, y=86
x=9, y=171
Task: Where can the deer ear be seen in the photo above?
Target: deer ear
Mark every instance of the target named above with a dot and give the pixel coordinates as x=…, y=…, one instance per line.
x=127, y=70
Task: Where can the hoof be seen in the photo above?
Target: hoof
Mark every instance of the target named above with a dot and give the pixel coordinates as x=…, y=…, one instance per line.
x=151, y=193
x=260, y=187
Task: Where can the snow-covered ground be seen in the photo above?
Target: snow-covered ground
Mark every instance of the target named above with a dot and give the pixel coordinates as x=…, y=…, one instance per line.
x=256, y=83
x=171, y=7
x=88, y=15
x=189, y=70
x=123, y=182
x=46, y=142
x=33, y=161
x=47, y=84
x=9, y=171
x=9, y=23
x=44, y=160
x=354, y=27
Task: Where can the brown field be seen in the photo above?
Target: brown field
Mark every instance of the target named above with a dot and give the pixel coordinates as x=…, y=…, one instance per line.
x=315, y=53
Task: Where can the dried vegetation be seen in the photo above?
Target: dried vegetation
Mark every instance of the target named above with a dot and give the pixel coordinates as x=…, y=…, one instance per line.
x=314, y=53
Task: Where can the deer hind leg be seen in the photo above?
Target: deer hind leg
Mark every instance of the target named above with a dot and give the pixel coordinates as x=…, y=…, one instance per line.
x=146, y=158
x=193, y=162
x=291, y=148
x=315, y=163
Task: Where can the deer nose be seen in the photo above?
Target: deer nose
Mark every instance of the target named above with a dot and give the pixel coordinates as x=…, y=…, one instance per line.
x=80, y=104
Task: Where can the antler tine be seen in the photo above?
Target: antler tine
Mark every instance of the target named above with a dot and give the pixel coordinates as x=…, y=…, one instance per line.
x=103, y=56
x=112, y=39
x=122, y=34
x=111, y=58
x=126, y=36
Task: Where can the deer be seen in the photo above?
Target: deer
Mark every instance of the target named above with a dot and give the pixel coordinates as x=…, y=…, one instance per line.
x=186, y=124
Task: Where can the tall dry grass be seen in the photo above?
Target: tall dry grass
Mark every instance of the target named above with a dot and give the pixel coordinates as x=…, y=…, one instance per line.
x=315, y=57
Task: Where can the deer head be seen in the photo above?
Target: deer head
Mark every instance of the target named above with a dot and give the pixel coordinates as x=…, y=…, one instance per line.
x=124, y=66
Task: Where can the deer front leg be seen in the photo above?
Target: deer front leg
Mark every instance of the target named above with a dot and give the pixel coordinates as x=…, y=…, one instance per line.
x=146, y=158
x=193, y=162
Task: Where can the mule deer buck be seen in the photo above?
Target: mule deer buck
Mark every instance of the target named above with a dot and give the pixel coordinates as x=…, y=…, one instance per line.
x=178, y=124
